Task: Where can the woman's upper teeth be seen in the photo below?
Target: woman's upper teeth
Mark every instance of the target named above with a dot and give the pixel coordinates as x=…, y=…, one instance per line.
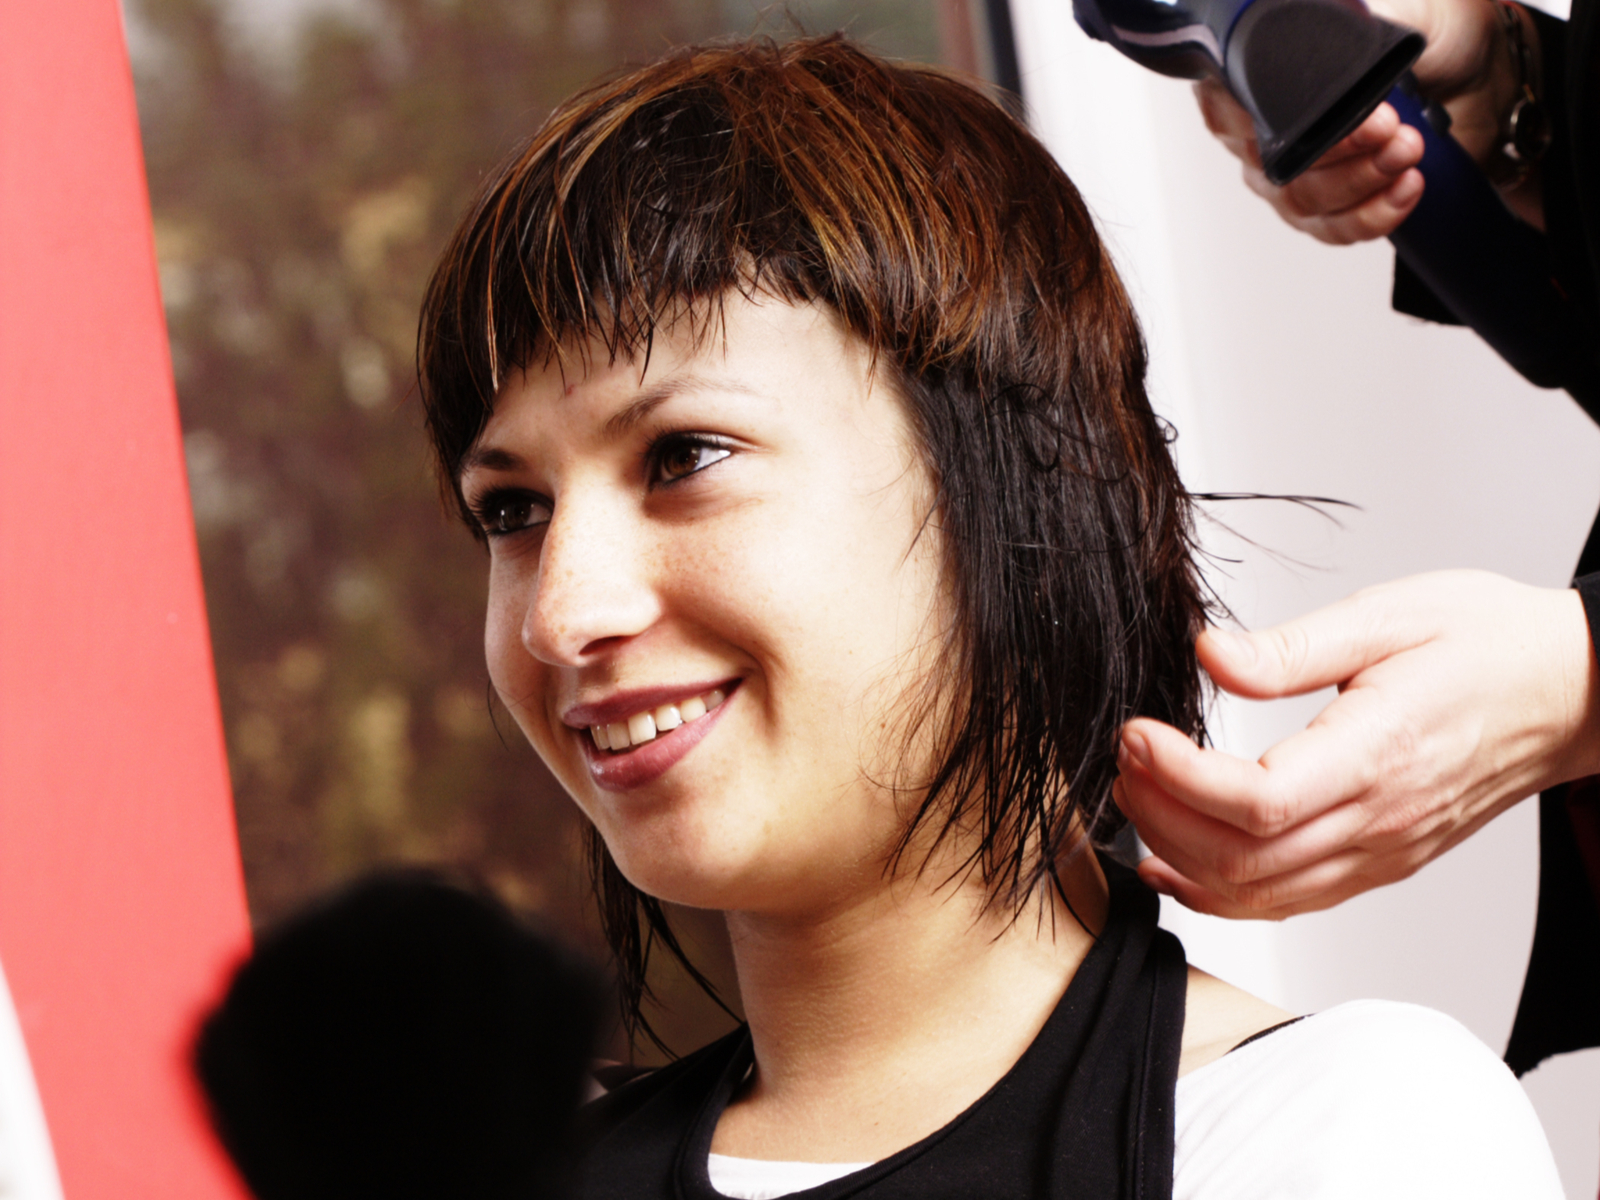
x=642, y=727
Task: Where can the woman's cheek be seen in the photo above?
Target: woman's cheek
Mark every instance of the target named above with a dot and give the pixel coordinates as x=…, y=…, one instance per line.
x=512, y=670
x=502, y=627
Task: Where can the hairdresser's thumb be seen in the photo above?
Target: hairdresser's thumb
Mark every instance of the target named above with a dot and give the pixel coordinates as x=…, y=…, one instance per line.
x=1235, y=661
x=1314, y=651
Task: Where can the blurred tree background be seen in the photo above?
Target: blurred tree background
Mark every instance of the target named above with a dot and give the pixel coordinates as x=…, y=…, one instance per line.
x=307, y=161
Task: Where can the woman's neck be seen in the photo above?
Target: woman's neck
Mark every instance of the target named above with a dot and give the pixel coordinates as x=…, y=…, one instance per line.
x=880, y=1021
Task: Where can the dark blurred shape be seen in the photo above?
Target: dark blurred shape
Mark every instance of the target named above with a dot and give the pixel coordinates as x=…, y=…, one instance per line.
x=405, y=1037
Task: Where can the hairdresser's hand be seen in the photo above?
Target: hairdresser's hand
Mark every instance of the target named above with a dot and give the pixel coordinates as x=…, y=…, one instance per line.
x=1368, y=183
x=1359, y=190
x=1460, y=694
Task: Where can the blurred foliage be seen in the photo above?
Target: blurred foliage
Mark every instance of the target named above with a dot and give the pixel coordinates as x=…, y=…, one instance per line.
x=301, y=195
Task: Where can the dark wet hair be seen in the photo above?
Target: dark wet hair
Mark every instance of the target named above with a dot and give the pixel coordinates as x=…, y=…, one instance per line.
x=945, y=237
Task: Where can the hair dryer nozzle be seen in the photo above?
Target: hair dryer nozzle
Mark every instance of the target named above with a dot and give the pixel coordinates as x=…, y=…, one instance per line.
x=1310, y=71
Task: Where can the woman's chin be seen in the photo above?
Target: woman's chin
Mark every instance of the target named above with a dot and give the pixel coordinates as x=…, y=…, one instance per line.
x=728, y=881
x=692, y=885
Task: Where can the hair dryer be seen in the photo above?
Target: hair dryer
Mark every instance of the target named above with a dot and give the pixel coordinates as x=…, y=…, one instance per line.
x=1308, y=72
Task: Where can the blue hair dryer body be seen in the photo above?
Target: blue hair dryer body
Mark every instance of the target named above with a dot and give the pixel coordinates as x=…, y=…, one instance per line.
x=1308, y=72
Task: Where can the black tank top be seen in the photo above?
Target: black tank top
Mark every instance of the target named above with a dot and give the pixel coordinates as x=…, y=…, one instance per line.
x=1085, y=1114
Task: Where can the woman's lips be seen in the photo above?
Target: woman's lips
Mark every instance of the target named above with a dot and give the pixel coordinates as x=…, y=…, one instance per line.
x=639, y=765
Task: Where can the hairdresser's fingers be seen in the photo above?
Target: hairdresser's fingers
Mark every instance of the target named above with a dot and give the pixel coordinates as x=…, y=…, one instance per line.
x=1361, y=189
x=1321, y=649
x=1226, y=822
x=1194, y=844
x=1323, y=885
x=1232, y=125
x=1377, y=216
x=1160, y=771
x=1221, y=856
x=1225, y=117
x=1385, y=854
x=1338, y=185
x=1335, y=759
x=1372, y=137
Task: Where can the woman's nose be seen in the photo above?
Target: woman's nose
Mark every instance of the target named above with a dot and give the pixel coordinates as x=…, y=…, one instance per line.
x=593, y=588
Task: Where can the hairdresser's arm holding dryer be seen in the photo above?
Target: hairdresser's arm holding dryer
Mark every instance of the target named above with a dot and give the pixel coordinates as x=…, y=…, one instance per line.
x=1461, y=693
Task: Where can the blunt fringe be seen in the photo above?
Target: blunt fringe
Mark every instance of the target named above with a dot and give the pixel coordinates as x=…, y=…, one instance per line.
x=944, y=235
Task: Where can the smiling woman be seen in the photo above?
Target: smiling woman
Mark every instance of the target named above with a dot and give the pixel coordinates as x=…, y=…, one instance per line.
x=832, y=539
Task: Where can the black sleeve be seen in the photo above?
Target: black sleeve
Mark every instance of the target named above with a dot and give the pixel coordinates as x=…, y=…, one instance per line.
x=1563, y=216
x=1414, y=298
x=1588, y=587
x=1563, y=223
x=1559, y=1011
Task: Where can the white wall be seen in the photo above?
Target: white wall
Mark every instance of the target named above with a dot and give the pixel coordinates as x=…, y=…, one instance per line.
x=1284, y=370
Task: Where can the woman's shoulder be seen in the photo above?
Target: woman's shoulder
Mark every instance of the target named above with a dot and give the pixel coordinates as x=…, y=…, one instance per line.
x=1217, y=1017
x=1373, y=1099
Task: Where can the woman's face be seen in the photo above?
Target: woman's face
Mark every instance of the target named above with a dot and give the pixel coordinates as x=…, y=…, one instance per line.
x=716, y=561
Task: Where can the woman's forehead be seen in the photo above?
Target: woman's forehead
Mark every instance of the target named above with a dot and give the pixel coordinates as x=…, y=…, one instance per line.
x=745, y=345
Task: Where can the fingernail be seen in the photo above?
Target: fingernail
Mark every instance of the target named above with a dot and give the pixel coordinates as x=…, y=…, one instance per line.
x=1136, y=748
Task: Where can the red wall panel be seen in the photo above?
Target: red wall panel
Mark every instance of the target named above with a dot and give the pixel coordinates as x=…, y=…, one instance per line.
x=121, y=899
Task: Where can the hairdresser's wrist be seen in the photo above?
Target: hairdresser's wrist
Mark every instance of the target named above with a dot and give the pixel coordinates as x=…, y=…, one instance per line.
x=1463, y=43
x=1478, y=102
x=1504, y=74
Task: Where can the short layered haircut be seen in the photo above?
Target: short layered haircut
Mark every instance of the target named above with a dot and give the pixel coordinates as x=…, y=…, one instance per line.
x=944, y=236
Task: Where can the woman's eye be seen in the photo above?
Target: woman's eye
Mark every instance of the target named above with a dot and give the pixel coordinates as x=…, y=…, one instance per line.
x=679, y=457
x=511, y=513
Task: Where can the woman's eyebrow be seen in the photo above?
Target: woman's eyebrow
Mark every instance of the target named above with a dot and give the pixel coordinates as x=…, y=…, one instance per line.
x=652, y=398
x=489, y=458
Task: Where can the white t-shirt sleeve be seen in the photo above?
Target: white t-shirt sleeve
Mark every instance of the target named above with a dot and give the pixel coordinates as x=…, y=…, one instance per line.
x=1368, y=1101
